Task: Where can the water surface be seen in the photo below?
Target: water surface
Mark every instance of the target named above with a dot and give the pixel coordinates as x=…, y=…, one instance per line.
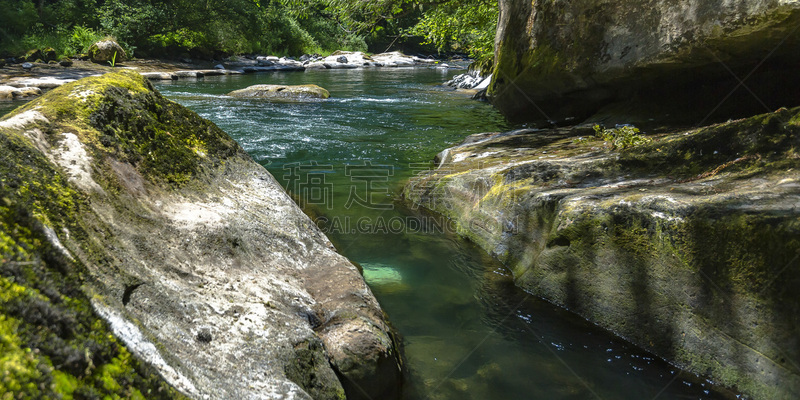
x=468, y=333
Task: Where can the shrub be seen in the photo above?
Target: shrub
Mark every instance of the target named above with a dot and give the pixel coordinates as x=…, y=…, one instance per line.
x=622, y=137
x=82, y=38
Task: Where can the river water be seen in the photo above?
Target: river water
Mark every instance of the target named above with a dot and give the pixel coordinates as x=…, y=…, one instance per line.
x=467, y=332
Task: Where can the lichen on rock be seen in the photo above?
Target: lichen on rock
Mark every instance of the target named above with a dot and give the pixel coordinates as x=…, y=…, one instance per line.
x=174, y=239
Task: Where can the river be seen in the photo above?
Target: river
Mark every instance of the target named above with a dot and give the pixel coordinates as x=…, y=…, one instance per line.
x=467, y=332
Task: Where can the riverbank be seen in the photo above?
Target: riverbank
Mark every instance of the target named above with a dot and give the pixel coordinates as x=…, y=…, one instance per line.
x=25, y=81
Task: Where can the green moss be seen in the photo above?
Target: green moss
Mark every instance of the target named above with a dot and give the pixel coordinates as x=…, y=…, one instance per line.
x=52, y=342
x=121, y=115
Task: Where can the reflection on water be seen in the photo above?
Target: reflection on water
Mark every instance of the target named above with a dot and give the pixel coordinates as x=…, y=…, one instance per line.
x=468, y=333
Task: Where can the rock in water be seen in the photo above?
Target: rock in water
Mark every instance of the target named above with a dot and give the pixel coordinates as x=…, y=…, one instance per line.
x=27, y=66
x=107, y=50
x=170, y=236
x=282, y=92
x=687, y=246
x=570, y=59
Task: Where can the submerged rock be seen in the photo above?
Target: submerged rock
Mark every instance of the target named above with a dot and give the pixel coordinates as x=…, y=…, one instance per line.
x=687, y=246
x=555, y=60
x=282, y=92
x=130, y=214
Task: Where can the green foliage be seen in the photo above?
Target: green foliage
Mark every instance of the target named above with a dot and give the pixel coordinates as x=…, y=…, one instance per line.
x=622, y=137
x=16, y=17
x=467, y=26
x=83, y=37
x=206, y=29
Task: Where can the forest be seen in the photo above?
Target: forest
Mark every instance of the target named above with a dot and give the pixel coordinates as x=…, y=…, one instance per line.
x=216, y=29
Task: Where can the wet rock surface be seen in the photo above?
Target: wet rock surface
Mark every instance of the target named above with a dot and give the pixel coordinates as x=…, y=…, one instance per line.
x=686, y=246
x=193, y=255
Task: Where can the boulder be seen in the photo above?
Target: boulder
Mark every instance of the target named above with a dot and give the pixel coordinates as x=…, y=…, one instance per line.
x=398, y=59
x=33, y=55
x=159, y=76
x=282, y=92
x=340, y=60
x=27, y=66
x=42, y=83
x=211, y=72
x=686, y=245
x=557, y=60
x=7, y=92
x=65, y=62
x=188, y=74
x=106, y=51
x=466, y=81
x=166, y=259
x=49, y=54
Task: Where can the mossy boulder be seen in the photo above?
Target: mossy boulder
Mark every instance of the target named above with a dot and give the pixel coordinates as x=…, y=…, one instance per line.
x=555, y=60
x=33, y=55
x=282, y=92
x=106, y=51
x=145, y=254
x=49, y=54
x=687, y=245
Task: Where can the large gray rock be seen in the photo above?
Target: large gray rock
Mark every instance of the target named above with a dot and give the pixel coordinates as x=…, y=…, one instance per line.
x=556, y=59
x=107, y=50
x=192, y=253
x=282, y=92
x=686, y=246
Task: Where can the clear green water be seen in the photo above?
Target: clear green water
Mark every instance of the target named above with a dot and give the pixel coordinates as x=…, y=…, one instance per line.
x=468, y=333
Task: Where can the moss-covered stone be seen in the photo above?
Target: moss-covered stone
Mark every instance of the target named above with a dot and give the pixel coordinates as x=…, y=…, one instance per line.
x=122, y=212
x=687, y=246
x=52, y=343
x=107, y=51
